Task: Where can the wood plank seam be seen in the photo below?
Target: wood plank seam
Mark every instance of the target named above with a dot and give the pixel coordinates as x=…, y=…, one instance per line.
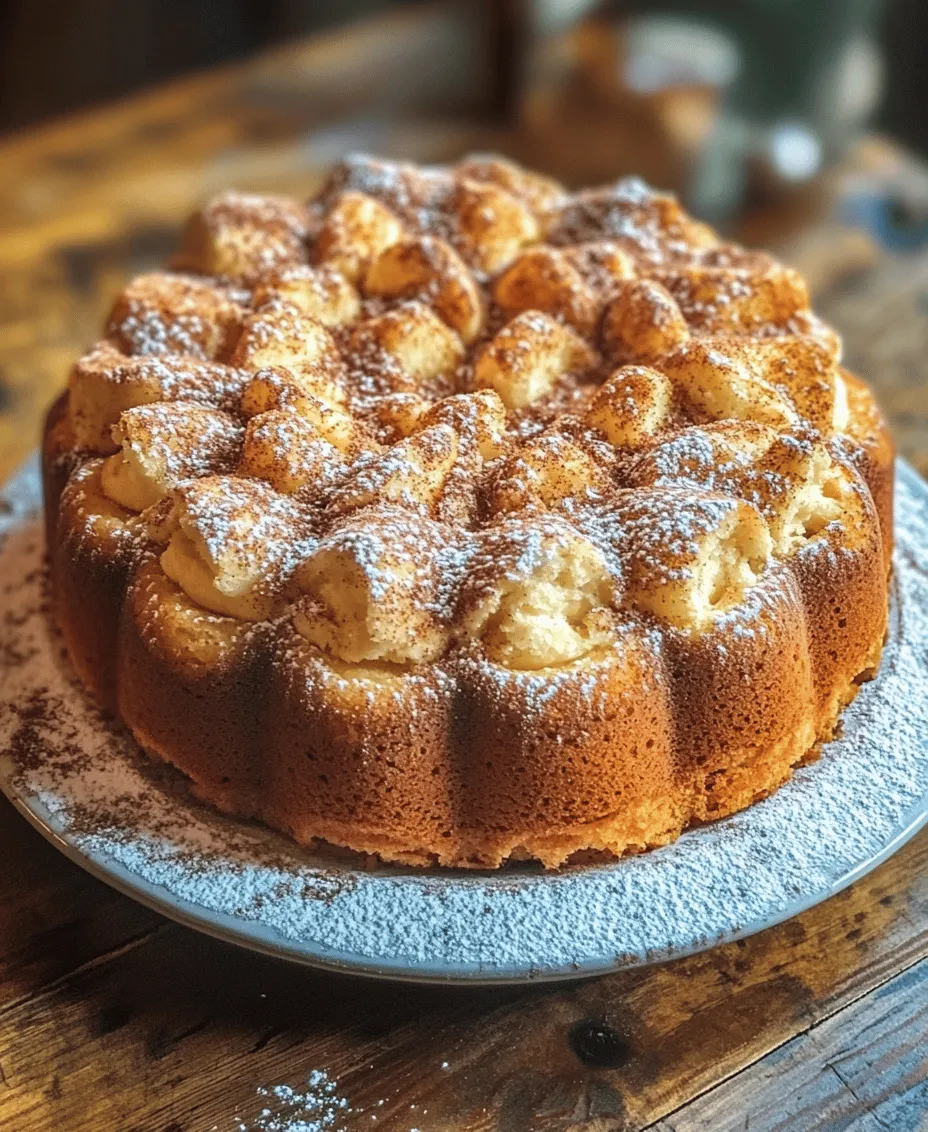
x=868, y=1072
x=659, y=1124
x=860, y=1100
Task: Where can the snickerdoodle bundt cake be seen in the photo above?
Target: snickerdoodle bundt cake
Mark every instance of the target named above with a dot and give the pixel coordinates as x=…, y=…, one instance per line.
x=456, y=517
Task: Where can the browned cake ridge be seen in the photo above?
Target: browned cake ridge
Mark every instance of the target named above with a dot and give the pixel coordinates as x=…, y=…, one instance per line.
x=456, y=517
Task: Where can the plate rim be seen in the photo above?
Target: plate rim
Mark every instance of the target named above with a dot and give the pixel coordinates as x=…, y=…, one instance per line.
x=240, y=932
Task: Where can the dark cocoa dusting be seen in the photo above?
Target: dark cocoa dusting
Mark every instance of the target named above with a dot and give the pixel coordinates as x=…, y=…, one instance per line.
x=47, y=736
x=28, y=746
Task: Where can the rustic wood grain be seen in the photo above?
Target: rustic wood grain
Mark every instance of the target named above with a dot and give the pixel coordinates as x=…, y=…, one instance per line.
x=111, y=1018
x=174, y=1030
x=53, y=916
x=866, y=1067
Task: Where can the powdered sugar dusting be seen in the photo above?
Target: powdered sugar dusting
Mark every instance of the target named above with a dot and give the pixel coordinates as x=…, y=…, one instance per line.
x=317, y=1107
x=130, y=820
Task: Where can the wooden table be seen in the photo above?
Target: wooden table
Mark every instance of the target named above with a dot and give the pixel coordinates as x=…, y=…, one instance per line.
x=113, y=1018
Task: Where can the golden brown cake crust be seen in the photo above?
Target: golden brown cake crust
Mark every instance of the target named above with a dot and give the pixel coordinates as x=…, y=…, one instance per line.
x=457, y=518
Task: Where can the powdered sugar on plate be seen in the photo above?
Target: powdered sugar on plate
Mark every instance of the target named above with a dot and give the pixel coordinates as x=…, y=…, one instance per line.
x=78, y=777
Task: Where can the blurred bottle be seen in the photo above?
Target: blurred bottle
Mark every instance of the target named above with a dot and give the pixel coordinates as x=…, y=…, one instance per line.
x=718, y=99
x=809, y=76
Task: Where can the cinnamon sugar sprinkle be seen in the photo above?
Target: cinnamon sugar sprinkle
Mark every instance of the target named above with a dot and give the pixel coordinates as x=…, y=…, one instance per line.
x=79, y=774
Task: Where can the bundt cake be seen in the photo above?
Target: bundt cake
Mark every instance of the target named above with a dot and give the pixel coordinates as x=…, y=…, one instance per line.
x=455, y=517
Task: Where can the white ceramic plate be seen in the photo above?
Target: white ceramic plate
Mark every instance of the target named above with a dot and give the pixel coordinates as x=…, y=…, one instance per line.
x=80, y=780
